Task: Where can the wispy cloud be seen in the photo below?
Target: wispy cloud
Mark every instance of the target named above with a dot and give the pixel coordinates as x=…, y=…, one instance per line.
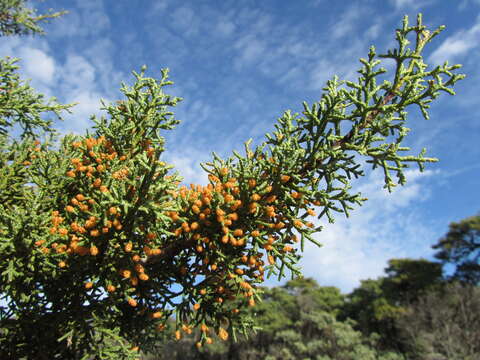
x=411, y=4
x=347, y=21
x=457, y=45
x=386, y=227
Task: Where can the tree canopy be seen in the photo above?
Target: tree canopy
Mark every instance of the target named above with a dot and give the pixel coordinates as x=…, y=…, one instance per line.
x=460, y=247
x=103, y=251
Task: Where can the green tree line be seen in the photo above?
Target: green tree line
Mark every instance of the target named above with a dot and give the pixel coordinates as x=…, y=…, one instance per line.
x=416, y=311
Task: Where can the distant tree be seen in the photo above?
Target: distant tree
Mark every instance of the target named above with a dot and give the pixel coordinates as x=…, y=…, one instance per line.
x=444, y=324
x=376, y=304
x=407, y=279
x=460, y=247
x=318, y=335
x=296, y=321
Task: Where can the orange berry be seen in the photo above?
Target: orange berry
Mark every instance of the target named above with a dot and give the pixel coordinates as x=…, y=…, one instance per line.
x=284, y=178
x=126, y=273
x=156, y=252
x=223, y=334
x=132, y=302
x=95, y=233
x=136, y=258
x=245, y=285
x=93, y=250
x=255, y=197
x=88, y=285
x=297, y=223
x=139, y=268
x=224, y=171
x=238, y=232
x=157, y=315
x=69, y=208
x=111, y=288
x=62, y=264
x=39, y=242
x=271, y=198
x=178, y=335
x=80, y=197
x=196, y=306
x=271, y=260
x=112, y=210
x=255, y=233
x=70, y=174
x=296, y=195
x=128, y=247
x=143, y=277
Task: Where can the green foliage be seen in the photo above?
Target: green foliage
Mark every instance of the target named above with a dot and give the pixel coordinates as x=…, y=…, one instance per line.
x=443, y=324
x=376, y=304
x=21, y=105
x=18, y=19
x=102, y=252
x=318, y=335
x=297, y=321
x=461, y=247
x=25, y=112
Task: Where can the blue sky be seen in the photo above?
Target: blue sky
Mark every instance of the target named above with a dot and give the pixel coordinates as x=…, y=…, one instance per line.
x=240, y=64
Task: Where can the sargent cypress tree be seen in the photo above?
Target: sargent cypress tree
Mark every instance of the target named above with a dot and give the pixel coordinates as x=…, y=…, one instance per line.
x=103, y=253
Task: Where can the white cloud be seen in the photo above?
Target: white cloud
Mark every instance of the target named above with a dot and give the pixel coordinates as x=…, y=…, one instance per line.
x=325, y=70
x=187, y=163
x=464, y=3
x=37, y=64
x=316, y=3
x=359, y=247
x=158, y=6
x=250, y=49
x=186, y=21
x=224, y=28
x=346, y=22
x=412, y=4
x=457, y=45
x=89, y=18
x=77, y=73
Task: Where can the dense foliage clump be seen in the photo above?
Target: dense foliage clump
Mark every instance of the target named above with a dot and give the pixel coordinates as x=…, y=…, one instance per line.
x=102, y=251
